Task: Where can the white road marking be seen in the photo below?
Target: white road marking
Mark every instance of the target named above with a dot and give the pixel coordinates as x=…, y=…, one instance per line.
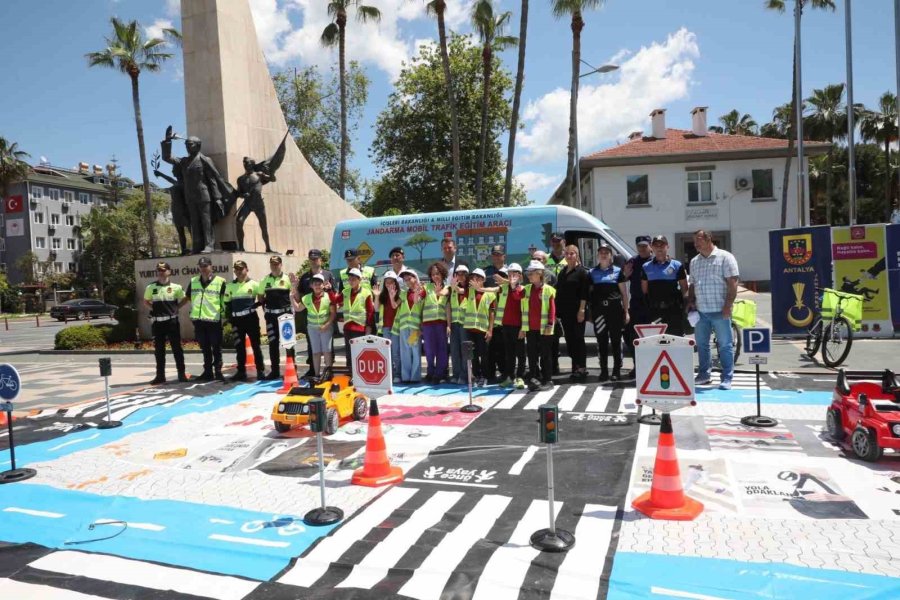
x=660, y=591
x=138, y=423
x=16, y=589
x=628, y=401
x=34, y=513
x=599, y=400
x=510, y=400
x=144, y=574
x=63, y=445
x=541, y=398
x=221, y=522
x=516, y=469
x=374, y=567
x=311, y=567
x=442, y=482
x=571, y=397
x=579, y=574
x=428, y=581
x=248, y=541
x=146, y=526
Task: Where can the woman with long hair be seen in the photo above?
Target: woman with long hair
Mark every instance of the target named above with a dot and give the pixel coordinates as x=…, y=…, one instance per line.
x=387, y=299
x=435, y=324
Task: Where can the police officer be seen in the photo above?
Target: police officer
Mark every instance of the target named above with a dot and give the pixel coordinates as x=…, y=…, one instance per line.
x=351, y=255
x=637, y=303
x=240, y=306
x=164, y=297
x=207, y=294
x=609, y=310
x=275, y=295
x=664, y=283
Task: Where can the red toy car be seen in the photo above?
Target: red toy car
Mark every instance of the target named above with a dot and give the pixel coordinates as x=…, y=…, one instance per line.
x=868, y=412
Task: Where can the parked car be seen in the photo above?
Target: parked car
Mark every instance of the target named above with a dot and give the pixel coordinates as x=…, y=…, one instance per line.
x=82, y=309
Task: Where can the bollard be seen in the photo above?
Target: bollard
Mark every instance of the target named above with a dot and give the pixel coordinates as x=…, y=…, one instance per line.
x=6, y=322
x=37, y=319
x=105, y=372
x=467, y=348
x=758, y=420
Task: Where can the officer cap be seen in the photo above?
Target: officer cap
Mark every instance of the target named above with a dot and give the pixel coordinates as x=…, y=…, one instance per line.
x=642, y=240
x=204, y=261
x=275, y=259
x=239, y=264
x=557, y=237
x=351, y=253
x=661, y=239
x=478, y=272
x=163, y=266
x=354, y=273
x=498, y=250
x=315, y=253
x=395, y=250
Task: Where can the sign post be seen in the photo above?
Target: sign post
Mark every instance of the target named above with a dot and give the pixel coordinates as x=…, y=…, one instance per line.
x=10, y=384
x=324, y=515
x=468, y=347
x=105, y=372
x=550, y=539
x=758, y=345
x=371, y=358
x=665, y=372
x=642, y=331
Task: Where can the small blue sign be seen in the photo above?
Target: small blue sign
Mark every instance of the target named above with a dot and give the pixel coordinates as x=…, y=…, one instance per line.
x=9, y=382
x=757, y=340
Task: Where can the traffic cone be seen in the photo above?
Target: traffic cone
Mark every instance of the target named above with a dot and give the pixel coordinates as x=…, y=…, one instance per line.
x=666, y=499
x=290, y=376
x=376, y=469
x=2, y=418
x=250, y=361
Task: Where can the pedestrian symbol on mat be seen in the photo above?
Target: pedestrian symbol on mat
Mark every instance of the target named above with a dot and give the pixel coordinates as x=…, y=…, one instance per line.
x=659, y=381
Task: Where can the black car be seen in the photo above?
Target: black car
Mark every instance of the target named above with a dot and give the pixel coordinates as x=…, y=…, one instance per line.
x=82, y=309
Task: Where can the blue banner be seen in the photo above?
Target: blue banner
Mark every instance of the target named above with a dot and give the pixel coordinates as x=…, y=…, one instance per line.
x=799, y=261
x=892, y=233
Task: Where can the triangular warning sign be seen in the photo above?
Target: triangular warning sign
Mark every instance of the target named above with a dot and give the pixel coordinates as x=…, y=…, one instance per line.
x=660, y=383
x=649, y=329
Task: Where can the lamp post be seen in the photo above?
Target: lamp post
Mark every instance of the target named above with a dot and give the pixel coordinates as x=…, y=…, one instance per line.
x=798, y=110
x=897, y=58
x=603, y=69
x=851, y=125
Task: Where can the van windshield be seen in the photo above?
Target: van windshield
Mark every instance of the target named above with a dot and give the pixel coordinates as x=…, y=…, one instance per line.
x=615, y=237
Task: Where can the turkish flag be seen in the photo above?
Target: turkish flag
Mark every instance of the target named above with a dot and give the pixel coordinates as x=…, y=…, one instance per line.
x=14, y=204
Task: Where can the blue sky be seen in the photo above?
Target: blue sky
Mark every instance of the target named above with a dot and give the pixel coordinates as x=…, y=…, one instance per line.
x=675, y=54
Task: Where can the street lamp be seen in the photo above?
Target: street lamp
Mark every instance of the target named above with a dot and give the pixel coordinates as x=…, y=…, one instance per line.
x=603, y=69
x=851, y=126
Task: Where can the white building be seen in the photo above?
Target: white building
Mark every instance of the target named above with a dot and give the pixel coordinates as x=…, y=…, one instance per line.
x=674, y=182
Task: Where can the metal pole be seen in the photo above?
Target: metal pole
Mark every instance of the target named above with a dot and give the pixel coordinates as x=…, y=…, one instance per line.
x=550, y=488
x=798, y=109
x=321, y=467
x=758, y=408
x=575, y=123
x=851, y=125
x=12, y=445
x=106, y=385
x=897, y=60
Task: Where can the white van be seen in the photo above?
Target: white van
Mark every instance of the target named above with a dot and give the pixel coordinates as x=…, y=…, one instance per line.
x=520, y=230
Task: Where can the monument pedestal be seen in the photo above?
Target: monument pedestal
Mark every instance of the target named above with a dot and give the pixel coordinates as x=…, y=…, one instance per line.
x=184, y=268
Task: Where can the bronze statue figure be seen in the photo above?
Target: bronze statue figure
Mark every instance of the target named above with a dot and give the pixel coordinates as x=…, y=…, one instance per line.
x=249, y=187
x=180, y=218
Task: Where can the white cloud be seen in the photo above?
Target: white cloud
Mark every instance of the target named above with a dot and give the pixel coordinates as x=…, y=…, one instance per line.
x=533, y=181
x=173, y=8
x=653, y=77
x=156, y=29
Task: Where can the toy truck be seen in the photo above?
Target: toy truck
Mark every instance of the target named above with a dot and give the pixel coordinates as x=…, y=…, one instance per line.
x=342, y=402
x=868, y=413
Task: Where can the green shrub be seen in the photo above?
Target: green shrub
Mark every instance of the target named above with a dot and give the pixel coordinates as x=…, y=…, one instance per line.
x=81, y=336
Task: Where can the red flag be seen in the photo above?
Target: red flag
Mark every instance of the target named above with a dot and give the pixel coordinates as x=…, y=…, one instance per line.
x=14, y=204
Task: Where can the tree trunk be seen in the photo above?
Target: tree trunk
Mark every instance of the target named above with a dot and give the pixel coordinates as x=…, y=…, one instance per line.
x=517, y=97
x=451, y=97
x=342, y=184
x=485, y=99
x=828, y=183
x=139, y=125
x=577, y=26
x=791, y=132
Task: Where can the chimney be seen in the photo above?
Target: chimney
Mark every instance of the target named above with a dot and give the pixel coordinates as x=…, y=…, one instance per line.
x=698, y=121
x=658, y=118
x=635, y=135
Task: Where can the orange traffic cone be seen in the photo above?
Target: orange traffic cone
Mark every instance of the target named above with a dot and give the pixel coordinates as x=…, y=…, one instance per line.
x=666, y=499
x=2, y=418
x=376, y=469
x=250, y=361
x=290, y=376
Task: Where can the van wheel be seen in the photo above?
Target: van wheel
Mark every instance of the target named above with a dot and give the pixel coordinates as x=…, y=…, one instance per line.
x=282, y=427
x=332, y=421
x=834, y=426
x=360, y=409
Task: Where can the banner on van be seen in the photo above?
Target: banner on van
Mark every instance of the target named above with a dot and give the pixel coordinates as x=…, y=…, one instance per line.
x=800, y=261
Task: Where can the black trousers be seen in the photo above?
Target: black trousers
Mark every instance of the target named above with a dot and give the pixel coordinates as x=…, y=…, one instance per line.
x=167, y=331
x=540, y=351
x=608, y=324
x=275, y=343
x=209, y=336
x=554, y=354
x=480, y=353
x=672, y=317
x=575, y=344
x=515, y=352
x=497, y=363
x=350, y=335
x=248, y=326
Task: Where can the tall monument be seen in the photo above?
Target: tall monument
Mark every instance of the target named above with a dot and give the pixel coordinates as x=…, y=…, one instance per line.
x=232, y=107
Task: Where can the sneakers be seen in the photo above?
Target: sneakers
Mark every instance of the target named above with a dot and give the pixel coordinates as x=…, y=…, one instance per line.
x=182, y=377
x=725, y=384
x=616, y=375
x=519, y=383
x=702, y=380
x=205, y=376
x=481, y=382
x=546, y=386
x=534, y=384
x=272, y=376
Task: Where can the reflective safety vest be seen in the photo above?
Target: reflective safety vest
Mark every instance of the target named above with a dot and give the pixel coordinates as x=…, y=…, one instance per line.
x=277, y=293
x=457, y=308
x=366, y=283
x=206, y=302
x=319, y=317
x=547, y=292
x=478, y=313
x=555, y=267
x=355, y=311
x=241, y=296
x=501, y=299
x=409, y=318
x=164, y=299
x=435, y=305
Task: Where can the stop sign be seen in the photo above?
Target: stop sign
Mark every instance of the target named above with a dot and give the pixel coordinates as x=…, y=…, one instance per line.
x=371, y=366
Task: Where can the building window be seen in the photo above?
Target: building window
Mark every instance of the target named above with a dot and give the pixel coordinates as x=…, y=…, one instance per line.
x=84, y=198
x=98, y=200
x=70, y=243
x=54, y=219
x=56, y=243
x=57, y=266
x=68, y=196
x=37, y=192
x=762, y=184
x=54, y=193
x=71, y=267
x=39, y=217
x=70, y=220
x=40, y=243
x=638, y=190
x=699, y=186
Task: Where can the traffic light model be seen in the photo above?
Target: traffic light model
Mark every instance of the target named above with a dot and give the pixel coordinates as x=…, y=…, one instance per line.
x=665, y=378
x=549, y=425
x=317, y=415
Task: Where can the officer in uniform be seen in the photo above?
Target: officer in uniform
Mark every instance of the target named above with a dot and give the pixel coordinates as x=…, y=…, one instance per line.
x=609, y=310
x=275, y=295
x=368, y=273
x=664, y=283
x=240, y=306
x=164, y=297
x=637, y=303
x=206, y=294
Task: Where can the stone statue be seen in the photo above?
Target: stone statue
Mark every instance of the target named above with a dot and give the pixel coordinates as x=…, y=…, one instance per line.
x=180, y=216
x=249, y=187
x=205, y=191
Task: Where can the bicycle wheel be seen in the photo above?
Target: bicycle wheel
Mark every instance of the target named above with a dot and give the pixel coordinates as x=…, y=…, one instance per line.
x=736, y=341
x=836, y=341
x=814, y=339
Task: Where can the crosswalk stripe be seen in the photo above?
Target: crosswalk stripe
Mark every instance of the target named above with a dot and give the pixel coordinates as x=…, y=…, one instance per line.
x=10, y=588
x=541, y=398
x=134, y=572
x=599, y=400
x=510, y=401
x=311, y=567
x=428, y=581
x=374, y=567
x=579, y=574
x=628, y=401
x=510, y=562
x=571, y=397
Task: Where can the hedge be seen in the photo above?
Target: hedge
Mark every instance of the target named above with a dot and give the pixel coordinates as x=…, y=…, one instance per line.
x=77, y=337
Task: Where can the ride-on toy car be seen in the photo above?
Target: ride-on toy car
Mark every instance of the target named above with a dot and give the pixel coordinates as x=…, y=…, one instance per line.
x=868, y=412
x=342, y=401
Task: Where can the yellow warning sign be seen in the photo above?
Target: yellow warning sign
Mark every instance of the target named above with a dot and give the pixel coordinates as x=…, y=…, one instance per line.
x=170, y=454
x=365, y=252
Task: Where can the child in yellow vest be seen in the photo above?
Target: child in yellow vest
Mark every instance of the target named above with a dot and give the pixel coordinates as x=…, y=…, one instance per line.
x=409, y=315
x=479, y=323
x=387, y=301
x=538, y=318
x=321, y=314
x=435, y=324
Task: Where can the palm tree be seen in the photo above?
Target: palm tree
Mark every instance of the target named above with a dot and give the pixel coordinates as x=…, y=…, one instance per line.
x=574, y=9
x=335, y=33
x=828, y=122
x=438, y=8
x=733, y=123
x=490, y=32
x=130, y=52
x=881, y=126
x=780, y=124
x=517, y=98
x=13, y=167
x=779, y=5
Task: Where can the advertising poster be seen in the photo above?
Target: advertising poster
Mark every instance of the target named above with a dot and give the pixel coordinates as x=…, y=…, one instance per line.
x=860, y=267
x=704, y=479
x=800, y=260
x=892, y=236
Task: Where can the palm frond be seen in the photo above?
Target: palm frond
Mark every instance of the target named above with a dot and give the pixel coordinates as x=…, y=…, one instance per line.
x=365, y=13
x=777, y=5
x=103, y=58
x=336, y=7
x=330, y=35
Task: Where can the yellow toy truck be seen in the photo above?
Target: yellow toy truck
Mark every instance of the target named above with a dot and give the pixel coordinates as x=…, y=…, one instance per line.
x=342, y=401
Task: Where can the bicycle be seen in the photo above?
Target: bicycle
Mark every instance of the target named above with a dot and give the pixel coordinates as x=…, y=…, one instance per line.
x=743, y=314
x=832, y=331
x=7, y=381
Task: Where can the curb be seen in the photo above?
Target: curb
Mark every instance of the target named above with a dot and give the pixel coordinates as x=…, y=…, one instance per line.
x=90, y=352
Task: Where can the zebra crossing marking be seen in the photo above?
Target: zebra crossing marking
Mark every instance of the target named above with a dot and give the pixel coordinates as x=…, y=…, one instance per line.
x=571, y=397
x=599, y=400
x=510, y=401
x=10, y=588
x=541, y=398
x=578, y=574
x=519, y=465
